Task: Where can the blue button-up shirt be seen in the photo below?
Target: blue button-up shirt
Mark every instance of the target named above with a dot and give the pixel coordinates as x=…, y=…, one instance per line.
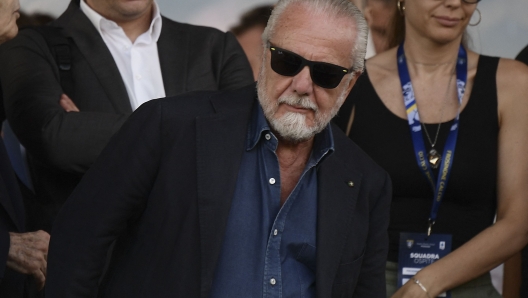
x=269, y=250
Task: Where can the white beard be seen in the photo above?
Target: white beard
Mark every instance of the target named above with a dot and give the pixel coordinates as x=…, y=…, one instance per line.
x=292, y=126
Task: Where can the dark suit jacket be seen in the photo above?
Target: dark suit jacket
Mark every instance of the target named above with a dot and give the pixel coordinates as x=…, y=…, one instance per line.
x=11, y=220
x=163, y=189
x=523, y=55
x=62, y=146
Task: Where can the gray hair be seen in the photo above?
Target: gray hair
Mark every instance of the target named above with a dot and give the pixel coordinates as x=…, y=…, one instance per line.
x=332, y=8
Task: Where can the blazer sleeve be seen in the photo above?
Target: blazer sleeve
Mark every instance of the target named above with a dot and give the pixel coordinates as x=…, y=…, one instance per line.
x=236, y=71
x=30, y=80
x=371, y=280
x=112, y=194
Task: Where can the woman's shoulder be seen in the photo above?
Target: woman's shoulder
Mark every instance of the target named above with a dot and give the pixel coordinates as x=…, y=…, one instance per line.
x=512, y=86
x=512, y=77
x=383, y=64
x=382, y=68
x=512, y=71
x=382, y=71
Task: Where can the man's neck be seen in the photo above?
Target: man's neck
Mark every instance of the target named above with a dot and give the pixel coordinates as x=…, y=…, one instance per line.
x=292, y=162
x=133, y=26
x=292, y=150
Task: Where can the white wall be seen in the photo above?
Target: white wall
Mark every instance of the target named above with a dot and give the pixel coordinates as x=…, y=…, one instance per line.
x=504, y=28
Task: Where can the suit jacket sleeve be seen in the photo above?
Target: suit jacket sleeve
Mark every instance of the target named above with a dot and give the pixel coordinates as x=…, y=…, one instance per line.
x=371, y=281
x=236, y=71
x=112, y=194
x=30, y=81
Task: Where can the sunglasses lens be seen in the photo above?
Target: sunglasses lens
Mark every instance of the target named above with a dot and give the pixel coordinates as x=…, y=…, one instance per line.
x=284, y=63
x=290, y=64
x=327, y=75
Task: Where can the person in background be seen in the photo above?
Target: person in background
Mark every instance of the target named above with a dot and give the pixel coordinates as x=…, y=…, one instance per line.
x=385, y=24
x=450, y=127
x=246, y=193
x=523, y=55
x=9, y=14
x=22, y=254
x=249, y=32
x=67, y=93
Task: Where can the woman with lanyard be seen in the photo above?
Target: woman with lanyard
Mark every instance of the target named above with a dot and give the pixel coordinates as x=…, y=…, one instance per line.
x=451, y=128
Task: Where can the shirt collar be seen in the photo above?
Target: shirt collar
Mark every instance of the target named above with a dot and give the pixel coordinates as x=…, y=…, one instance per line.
x=152, y=35
x=259, y=127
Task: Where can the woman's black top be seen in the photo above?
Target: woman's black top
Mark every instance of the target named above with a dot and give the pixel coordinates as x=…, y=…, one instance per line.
x=470, y=200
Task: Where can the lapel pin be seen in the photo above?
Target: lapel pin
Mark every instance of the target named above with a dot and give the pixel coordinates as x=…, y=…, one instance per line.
x=350, y=183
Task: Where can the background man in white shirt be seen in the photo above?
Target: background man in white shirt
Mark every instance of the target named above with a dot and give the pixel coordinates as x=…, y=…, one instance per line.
x=68, y=90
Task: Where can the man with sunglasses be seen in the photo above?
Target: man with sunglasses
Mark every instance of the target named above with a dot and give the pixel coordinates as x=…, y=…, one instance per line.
x=239, y=193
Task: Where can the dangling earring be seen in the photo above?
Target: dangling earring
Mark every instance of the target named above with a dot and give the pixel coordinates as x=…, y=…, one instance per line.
x=401, y=7
x=480, y=18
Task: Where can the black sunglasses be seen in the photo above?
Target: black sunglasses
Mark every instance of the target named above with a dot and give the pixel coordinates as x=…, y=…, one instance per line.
x=471, y=1
x=289, y=64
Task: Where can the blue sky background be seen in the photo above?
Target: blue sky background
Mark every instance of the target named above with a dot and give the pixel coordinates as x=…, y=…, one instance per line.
x=503, y=31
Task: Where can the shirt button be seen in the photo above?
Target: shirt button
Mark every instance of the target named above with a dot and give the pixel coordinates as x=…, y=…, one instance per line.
x=272, y=181
x=267, y=136
x=273, y=281
x=275, y=232
x=138, y=77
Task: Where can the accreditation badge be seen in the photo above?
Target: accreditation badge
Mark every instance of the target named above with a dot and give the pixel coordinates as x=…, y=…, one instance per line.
x=417, y=251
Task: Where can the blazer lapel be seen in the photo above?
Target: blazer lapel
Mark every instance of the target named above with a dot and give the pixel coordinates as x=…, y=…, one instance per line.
x=90, y=43
x=220, y=146
x=336, y=203
x=173, y=50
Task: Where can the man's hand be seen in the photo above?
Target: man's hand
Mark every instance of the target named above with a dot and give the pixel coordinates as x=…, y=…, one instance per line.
x=28, y=253
x=67, y=104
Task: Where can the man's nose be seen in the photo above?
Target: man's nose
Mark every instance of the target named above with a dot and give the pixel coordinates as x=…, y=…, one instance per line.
x=302, y=82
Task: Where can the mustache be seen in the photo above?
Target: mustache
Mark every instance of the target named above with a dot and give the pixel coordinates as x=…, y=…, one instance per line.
x=298, y=101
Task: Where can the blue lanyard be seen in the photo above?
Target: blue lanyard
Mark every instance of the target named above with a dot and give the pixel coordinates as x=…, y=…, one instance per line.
x=416, y=129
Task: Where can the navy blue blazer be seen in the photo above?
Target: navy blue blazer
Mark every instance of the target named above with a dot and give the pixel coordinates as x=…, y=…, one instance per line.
x=163, y=189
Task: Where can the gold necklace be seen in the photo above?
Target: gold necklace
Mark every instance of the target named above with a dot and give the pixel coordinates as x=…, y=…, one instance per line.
x=434, y=156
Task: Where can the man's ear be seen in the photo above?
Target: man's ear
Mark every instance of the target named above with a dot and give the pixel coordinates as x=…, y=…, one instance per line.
x=353, y=81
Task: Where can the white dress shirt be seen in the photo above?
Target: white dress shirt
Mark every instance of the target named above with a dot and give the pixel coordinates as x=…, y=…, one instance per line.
x=137, y=62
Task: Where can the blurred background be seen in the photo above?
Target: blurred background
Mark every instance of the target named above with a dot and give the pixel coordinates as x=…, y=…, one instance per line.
x=503, y=31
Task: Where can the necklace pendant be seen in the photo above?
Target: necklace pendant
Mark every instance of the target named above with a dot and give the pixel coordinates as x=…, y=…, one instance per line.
x=434, y=158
